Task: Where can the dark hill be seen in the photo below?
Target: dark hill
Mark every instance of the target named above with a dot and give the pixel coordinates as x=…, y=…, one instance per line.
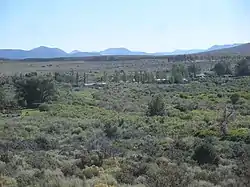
x=243, y=50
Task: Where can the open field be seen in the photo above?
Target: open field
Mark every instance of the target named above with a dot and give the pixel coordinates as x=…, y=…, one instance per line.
x=133, y=131
x=62, y=66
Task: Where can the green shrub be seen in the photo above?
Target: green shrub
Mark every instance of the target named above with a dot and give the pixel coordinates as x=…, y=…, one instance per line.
x=220, y=95
x=205, y=154
x=25, y=178
x=234, y=98
x=70, y=170
x=241, y=134
x=7, y=182
x=44, y=107
x=2, y=97
x=6, y=157
x=156, y=107
x=90, y=172
x=77, y=130
x=206, y=133
x=110, y=130
x=94, y=158
x=185, y=106
x=45, y=143
x=42, y=160
x=63, y=182
x=183, y=96
x=169, y=175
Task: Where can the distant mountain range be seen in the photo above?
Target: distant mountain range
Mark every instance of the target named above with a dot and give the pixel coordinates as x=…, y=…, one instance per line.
x=46, y=52
x=242, y=49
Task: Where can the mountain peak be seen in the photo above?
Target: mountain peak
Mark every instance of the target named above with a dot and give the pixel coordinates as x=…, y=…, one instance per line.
x=217, y=47
x=75, y=51
x=48, y=52
x=116, y=51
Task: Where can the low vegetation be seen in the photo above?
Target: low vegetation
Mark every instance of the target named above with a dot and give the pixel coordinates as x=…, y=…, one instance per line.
x=149, y=128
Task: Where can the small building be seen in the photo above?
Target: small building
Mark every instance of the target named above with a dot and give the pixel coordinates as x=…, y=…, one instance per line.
x=226, y=76
x=185, y=80
x=95, y=85
x=161, y=81
x=202, y=75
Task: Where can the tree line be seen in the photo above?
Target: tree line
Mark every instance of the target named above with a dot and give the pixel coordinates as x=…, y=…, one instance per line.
x=179, y=73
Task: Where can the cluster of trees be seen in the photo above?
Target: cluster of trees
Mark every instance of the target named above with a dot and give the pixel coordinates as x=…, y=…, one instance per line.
x=34, y=90
x=242, y=68
x=137, y=76
x=71, y=77
x=31, y=90
x=180, y=72
x=175, y=75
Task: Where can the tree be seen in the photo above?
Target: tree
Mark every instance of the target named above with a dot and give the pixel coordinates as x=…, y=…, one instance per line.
x=137, y=77
x=205, y=154
x=156, y=107
x=219, y=69
x=124, y=76
x=177, y=74
x=243, y=67
x=222, y=69
x=228, y=114
x=234, y=98
x=2, y=98
x=193, y=69
x=77, y=78
x=116, y=77
x=34, y=89
x=85, y=78
x=151, y=78
x=105, y=76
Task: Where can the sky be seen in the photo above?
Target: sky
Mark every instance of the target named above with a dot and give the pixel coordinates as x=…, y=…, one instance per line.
x=140, y=25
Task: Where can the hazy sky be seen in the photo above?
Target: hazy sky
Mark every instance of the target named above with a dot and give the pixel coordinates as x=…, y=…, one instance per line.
x=143, y=25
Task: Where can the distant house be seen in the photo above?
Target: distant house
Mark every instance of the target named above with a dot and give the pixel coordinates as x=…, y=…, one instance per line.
x=226, y=76
x=202, y=75
x=185, y=80
x=161, y=81
x=95, y=85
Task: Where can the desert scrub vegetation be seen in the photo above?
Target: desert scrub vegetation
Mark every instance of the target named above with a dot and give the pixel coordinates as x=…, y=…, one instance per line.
x=56, y=130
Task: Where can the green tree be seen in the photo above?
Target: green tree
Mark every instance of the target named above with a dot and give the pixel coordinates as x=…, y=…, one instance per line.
x=85, y=78
x=158, y=75
x=156, y=107
x=137, y=77
x=77, y=78
x=2, y=98
x=177, y=74
x=193, y=69
x=151, y=78
x=222, y=68
x=34, y=89
x=219, y=69
x=105, y=76
x=116, y=77
x=205, y=154
x=234, y=98
x=243, y=67
x=124, y=76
